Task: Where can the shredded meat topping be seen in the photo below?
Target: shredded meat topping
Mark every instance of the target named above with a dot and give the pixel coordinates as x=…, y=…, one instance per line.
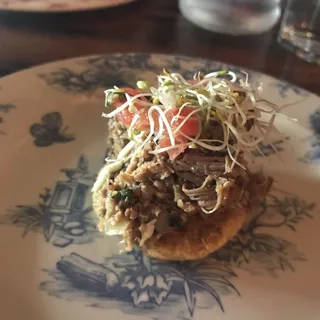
x=155, y=195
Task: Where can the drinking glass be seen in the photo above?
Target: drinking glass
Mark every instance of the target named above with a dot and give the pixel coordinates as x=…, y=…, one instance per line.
x=300, y=29
x=236, y=17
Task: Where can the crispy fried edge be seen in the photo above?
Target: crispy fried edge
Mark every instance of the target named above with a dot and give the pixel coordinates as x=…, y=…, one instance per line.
x=201, y=237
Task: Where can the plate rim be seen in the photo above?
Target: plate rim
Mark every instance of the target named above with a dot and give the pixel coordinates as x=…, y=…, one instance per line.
x=101, y=6
x=47, y=263
x=190, y=57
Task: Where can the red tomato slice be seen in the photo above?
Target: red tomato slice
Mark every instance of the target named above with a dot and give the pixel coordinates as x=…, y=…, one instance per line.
x=190, y=127
x=126, y=117
x=174, y=152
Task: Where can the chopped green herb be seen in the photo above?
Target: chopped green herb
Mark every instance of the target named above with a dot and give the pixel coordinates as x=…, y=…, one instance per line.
x=111, y=95
x=124, y=194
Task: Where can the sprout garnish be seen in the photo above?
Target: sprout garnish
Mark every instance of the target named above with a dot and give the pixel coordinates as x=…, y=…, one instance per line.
x=208, y=97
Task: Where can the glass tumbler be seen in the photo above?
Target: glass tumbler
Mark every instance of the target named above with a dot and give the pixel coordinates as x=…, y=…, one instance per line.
x=236, y=17
x=300, y=29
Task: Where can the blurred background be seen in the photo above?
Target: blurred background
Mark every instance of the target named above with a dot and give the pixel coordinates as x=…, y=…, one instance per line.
x=160, y=26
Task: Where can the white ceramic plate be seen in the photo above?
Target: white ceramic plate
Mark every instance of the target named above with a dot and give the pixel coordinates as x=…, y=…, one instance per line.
x=58, y=5
x=56, y=266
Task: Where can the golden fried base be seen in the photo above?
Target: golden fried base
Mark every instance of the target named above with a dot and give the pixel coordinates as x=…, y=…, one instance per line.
x=201, y=237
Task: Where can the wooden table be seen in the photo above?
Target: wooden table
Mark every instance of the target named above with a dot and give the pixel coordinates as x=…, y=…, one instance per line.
x=28, y=39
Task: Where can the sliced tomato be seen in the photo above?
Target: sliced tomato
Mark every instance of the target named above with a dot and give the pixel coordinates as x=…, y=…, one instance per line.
x=190, y=127
x=143, y=123
x=126, y=117
x=174, y=152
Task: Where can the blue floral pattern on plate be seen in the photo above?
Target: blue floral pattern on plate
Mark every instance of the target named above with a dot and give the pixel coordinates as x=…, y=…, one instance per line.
x=61, y=214
x=106, y=71
x=313, y=155
x=5, y=108
x=144, y=283
x=60, y=221
x=284, y=88
x=50, y=130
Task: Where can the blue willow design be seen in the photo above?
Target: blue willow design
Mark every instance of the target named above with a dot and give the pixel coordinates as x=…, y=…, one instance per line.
x=142, y=282
x=284, y=87
x=61, y=215
x=266, y=150
x=135, y=283
x=314, y=153
x=103, y=72
x=50, y=131
x=260, y=252
x=100, y=72
x=5, y=108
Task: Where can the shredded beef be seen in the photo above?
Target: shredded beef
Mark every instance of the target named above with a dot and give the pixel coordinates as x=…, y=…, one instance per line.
x=165, y=193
